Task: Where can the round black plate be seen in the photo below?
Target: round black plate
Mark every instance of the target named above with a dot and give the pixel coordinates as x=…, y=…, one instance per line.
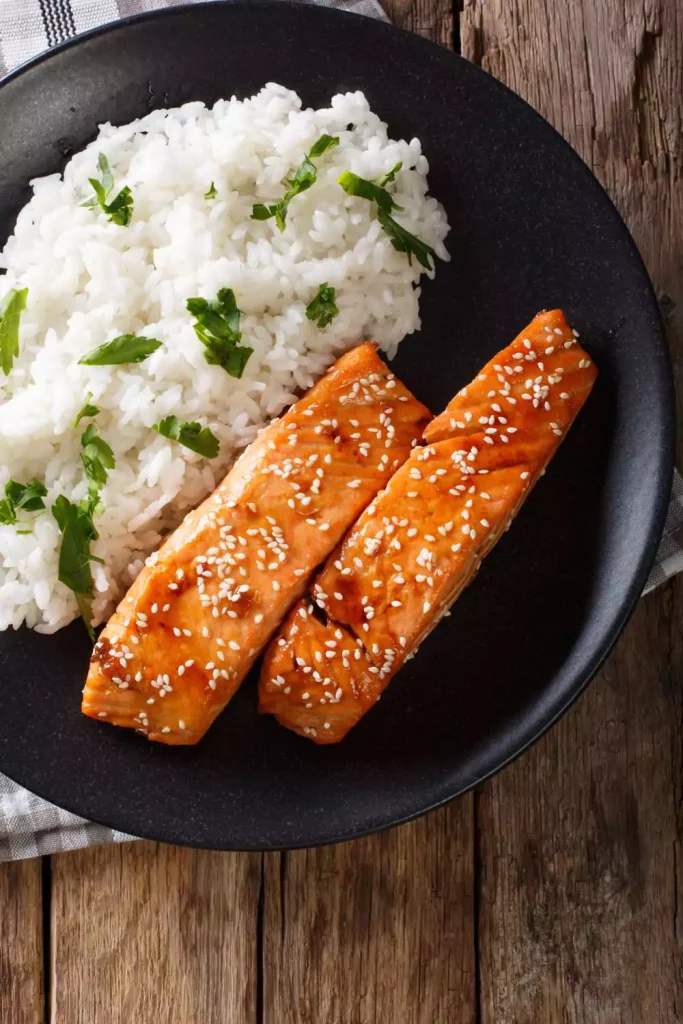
x=531, y=228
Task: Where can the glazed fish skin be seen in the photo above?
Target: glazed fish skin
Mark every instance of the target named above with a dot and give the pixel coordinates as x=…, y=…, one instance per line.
x=420, y=542
x=191, y=626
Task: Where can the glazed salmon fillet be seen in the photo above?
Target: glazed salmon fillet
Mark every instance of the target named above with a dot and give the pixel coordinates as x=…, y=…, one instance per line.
x=421, y=541
x=203, y=607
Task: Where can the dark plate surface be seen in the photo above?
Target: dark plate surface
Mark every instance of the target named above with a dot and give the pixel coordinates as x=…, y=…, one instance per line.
x=531, y=228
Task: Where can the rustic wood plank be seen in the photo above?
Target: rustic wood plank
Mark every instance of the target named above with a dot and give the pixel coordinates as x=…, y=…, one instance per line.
x=146, y=933
x=579, y=842
x=21, y=943
x=430, y=18
x=375, y=931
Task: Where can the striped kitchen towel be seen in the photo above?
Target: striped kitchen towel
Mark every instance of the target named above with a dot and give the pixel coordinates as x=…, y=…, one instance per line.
x=29, y=26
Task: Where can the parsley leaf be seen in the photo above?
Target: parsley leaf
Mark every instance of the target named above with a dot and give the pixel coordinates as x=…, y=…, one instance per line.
x=78, y=531
x=212, y=193
x=97, y=458
x=127, y=348
x=191, y=435
x=11, y=309
x=120, y=209
x=28, y=497
x=218, y=329
x=323, y=307
x=305, y=176
x=87, y=411
x=390, y=176
x=401, y=239
x=324, y=143
x=354, y=185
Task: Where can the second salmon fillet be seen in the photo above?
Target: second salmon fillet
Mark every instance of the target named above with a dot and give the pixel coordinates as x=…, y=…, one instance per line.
x=421, y=541
x=193, y=623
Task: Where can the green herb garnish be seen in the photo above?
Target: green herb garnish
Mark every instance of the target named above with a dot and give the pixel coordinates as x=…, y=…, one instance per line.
x=11, y=308
x=212, y=193
x=218, y=329
x=120, y=209
x=191, y=435
x=323, y=307
x=27, y=497
x=87, y=411
x=401, y=239
x=305, y=176
x=390, y=176
x=78, y=532
x=354, y=185
x=127, y=348
x=97, y=458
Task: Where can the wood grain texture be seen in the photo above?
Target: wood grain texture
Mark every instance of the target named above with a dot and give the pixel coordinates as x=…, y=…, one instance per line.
x=430, y=18
x=579, y=842
x=375, y=931
x=145, y=933
x=21, y=943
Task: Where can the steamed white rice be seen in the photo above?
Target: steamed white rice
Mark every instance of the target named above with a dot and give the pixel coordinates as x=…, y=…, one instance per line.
x=90, y=280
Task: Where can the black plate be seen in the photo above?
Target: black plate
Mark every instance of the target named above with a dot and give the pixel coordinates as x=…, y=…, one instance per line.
x=531, y=229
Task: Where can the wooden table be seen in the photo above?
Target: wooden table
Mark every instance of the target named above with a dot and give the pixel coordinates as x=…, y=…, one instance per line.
x=553, y=894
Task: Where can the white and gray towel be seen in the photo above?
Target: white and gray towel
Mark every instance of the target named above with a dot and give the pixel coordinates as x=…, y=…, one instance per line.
x=29, y=826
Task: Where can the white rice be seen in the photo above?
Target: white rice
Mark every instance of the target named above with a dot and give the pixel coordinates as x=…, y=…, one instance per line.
x=90, y=280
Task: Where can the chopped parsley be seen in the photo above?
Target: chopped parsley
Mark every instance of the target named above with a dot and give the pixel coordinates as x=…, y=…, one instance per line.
x=212, y=193
x=305, y=176
x=97, y=458
x=87, y=411
x=401, y=239
x=21, y=497
x=78, y=531
x=354, y=185
x=390, y=176
x=218, y=329
x=120, y=209
x=127, y=348
x=192, y=435
x=11, y=308
x=323, y=307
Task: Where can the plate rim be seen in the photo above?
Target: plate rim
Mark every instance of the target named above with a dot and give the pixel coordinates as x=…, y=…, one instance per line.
x=664, y=468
